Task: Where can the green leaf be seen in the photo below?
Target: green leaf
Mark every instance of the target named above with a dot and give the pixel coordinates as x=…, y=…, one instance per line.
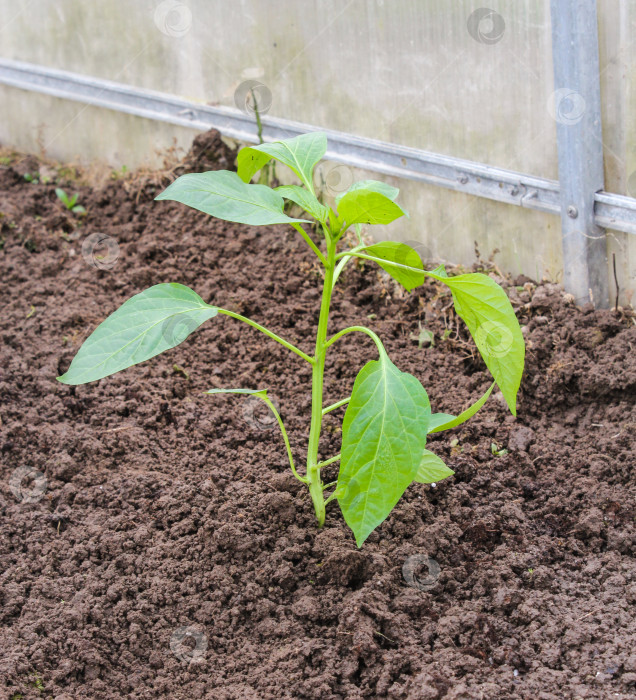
x=372, y=186
x=438, y=419
x=440, y=271
x=223, y=194
x=305, y=199
x=148, y=323
x=256, y=392
x=400, y=253
x=368, y=206
x=383, y=437
x=432, y=469
x=60, y=194
x=444, y=421
x=300, y=153
x=486, y=310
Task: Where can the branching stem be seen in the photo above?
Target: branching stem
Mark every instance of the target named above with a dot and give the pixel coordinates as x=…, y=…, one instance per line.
x=272, y=408
x=331, y=460
x=310, y=243
x=268, y=333
x=313, y=467
x=360, y=329
x=336, y=405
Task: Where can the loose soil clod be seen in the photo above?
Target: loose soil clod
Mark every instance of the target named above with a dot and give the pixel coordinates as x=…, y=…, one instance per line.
x=171, y=554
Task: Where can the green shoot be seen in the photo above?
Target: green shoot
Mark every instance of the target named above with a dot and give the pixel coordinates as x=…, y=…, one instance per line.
x=388, y=414
x=69, y=202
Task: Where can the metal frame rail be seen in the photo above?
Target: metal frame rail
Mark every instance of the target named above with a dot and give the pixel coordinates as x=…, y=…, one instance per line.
x=585, y=209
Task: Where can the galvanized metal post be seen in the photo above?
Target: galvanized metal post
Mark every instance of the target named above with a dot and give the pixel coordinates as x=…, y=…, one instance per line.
x=576, y=108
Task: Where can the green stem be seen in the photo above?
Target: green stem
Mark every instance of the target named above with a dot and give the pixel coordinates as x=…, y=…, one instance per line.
x=267, y=332
x=354, y=252
x=331, y=460
x=259, y=124
x=336, y=405
x=344, y=261
x=310, y=243
x=313, y=468
x=268, y=401
x=333, y=495
x=360, y=329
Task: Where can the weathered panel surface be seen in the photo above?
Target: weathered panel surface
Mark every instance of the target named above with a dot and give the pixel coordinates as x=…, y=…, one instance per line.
x=445, y=77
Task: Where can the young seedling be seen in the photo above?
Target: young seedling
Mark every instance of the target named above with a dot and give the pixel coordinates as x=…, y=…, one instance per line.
x=69, y=202
x=388, y=414
x=36, y=178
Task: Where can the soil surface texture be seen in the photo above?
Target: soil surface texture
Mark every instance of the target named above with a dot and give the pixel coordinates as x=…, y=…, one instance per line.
x=154, y=544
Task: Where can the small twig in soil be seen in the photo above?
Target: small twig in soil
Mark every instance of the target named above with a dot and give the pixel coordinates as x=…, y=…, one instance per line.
x=384, y=636
x=588, y=614
x=615, y=281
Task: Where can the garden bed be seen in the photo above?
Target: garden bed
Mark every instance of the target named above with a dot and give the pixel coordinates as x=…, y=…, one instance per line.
x=161, y=511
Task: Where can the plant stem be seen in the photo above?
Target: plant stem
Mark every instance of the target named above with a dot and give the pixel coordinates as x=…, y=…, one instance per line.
x=272, y=408
x=345, y=257
x=267, y=332
x=360, y=329
x=310, y=243
x=331, y=460
x=313, y=468
x=336, y=405
x=330, y=498
x=328, y=486
x=259, y=124
x=355, y=253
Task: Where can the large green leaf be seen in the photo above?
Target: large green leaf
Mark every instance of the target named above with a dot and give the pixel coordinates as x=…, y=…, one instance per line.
x=368, y=206
x=446, y=421
x=486, y=310
x=432, y=469
x=403, y=254
x=148, y=323
x=300, y=153
x=223, y=194
x=383, y=437
x=305, y=199
x=372, y=186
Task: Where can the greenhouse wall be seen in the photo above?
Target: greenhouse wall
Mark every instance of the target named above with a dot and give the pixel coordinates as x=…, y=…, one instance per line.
x=440, y=82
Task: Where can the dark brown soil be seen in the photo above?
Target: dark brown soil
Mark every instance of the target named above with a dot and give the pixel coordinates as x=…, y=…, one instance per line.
x=160, y=508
